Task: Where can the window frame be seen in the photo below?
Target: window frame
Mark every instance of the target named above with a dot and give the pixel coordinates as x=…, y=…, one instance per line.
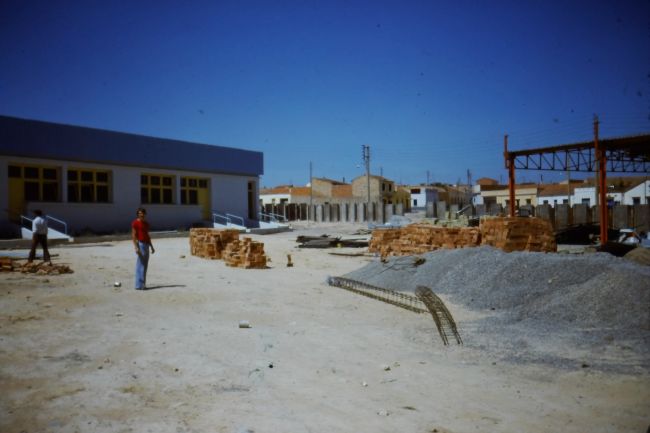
x=83, y=185
x=190, y=187
x=47, y=188
x=159, y=186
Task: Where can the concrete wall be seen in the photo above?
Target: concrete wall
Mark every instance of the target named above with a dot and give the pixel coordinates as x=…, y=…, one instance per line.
x=228, y=194
x=561, y=216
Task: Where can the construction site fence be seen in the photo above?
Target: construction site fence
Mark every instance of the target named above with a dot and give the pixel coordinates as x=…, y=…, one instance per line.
x=560, y=215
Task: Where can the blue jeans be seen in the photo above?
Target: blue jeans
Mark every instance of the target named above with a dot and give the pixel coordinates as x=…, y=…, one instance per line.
x=141, y=266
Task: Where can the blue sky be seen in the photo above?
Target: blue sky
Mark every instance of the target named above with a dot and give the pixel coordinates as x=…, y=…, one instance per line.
x=429, y=85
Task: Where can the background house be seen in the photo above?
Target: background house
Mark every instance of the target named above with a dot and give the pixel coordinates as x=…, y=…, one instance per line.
x=420, y=195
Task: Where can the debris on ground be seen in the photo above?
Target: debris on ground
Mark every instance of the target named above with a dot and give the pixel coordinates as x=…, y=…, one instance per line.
x=11, y=264
x=325, y=241
x=45, y=268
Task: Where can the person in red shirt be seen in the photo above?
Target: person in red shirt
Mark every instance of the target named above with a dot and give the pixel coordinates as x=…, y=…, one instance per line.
x=142, y=244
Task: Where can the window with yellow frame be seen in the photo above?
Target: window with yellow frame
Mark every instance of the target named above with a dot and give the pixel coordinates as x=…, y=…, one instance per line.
x=39, y=183
x=156, y=189
x=190, y=187
x=89, y=186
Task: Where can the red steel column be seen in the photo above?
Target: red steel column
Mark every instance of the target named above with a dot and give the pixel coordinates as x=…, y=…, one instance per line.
x=510, y=165
x=602, y=185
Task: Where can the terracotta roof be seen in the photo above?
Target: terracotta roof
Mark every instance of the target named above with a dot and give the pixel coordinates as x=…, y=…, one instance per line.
x=487, y=181
x=275, y=190
x=303, y=191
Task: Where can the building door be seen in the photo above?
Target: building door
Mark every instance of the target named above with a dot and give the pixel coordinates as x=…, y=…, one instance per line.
x=30, y=184
x=252, y=207
x=196, y=191
x=16, y=193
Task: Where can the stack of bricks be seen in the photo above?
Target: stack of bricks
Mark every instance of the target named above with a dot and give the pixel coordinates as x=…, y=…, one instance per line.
x=382, y=239
x=421, y=238
x=518, y=234
x=245, y=253
x=508, y=234
x=210, y=243
x=6, y=264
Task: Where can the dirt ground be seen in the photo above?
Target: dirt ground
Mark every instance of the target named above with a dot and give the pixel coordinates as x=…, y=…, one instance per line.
x=80, y=355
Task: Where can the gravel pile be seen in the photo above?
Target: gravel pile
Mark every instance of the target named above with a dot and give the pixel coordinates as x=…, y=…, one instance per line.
x=593, y=297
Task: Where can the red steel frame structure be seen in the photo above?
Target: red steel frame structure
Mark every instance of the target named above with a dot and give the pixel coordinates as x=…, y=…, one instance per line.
x=629, y=154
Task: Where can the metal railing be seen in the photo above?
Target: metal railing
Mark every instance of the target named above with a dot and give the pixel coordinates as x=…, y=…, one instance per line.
x=217, y=217
x=238, y=218
x=63, y=226
x=272, y=217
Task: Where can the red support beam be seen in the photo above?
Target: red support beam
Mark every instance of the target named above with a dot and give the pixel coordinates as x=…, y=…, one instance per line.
x=602, y=185
x=510, y=165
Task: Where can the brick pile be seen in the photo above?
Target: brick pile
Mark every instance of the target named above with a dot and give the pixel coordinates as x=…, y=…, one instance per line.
x=8, y=264
x=225, y=244
x=211, y=243
x=508, y=234
x=245, y=253
x=45, y=269
x=421, y=238
x=518, y=234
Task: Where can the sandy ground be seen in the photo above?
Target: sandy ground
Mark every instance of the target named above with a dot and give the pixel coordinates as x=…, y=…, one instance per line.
x=80, y=355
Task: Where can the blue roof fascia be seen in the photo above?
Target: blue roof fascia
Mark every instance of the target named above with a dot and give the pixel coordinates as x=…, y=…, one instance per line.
x=38, y=139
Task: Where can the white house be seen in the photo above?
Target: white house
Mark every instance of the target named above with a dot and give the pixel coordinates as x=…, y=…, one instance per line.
x=95, y=179
x=620, y=190
x=638, y=194
x=421, y=195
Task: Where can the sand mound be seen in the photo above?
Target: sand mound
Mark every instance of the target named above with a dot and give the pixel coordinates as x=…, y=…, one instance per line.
x=639, y=255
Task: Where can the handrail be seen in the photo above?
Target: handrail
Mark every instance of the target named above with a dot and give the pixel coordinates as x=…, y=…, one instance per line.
x=269, y=217
x=272, y=217
x=231, y=216
x=65, y=225
x=23, y=218
x=29, y=221
x=282, y=218
x=216, y=216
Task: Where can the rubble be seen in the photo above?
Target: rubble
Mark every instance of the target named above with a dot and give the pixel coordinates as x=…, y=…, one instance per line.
x=9, y=264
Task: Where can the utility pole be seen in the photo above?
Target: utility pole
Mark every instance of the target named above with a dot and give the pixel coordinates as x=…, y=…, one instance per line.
x=427, y=177
x=311, y=191
x=366, y=159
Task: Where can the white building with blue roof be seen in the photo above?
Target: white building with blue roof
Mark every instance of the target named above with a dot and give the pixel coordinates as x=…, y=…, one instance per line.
x=94, y=179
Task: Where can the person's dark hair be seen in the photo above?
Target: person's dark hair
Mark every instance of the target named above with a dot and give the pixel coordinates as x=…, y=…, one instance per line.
x=38, y=212
x=141, y=209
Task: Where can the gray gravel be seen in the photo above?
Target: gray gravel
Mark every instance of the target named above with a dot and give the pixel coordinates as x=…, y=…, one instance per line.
x=585, y=302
